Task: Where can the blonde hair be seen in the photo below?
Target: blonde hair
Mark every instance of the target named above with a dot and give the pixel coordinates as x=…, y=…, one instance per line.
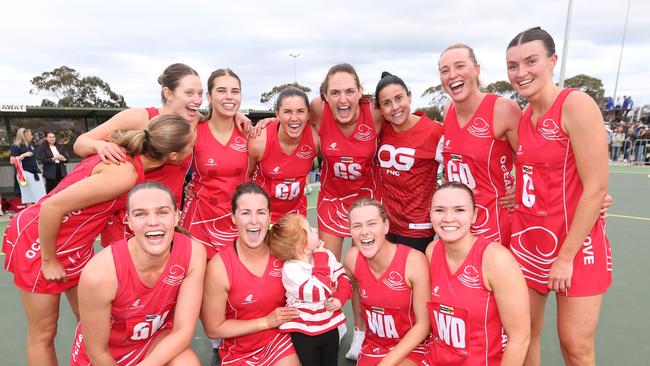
x=20, y=138
x=287, y=235
x=165, y=134
x=470, y=52
x=362, y=202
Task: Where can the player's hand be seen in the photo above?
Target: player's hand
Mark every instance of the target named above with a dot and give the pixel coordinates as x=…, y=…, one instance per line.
x=333, y=304
x=110, y=152
x=261, y=124
x=60, y=157
x=53, y=270
x=321, y=247
x=244, y=124
x=189, y=191
x=605, y=205
x=280, y=316
x=559, y=277
x=508, y=201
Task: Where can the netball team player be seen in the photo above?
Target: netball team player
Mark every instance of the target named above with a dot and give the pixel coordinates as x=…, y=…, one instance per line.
x=243, y=296
x=558, y=236
x=139, y=299
x=407, y=163
x=479, y=309
x=283, y=154
x=480, y=135
x=394, y=288
x=48, y=244
x=220, y=164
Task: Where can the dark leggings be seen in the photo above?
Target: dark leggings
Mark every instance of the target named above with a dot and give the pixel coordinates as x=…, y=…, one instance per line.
x=320, y=350
x=415, y=243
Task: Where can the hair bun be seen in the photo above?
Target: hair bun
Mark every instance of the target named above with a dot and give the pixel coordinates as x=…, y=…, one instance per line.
x=160, y=80
x=385, y=73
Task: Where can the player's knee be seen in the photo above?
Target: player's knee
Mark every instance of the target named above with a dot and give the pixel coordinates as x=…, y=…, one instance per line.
x=44, y=333
x=577, y=350
x=536, y=326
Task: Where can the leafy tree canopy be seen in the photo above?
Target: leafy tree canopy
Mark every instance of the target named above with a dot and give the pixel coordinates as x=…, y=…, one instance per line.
x=588, y=84
x=270, y=96
x=69, y=89
x=504, y=89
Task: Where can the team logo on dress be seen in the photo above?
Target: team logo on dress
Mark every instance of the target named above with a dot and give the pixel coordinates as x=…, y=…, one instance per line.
x=447, y=143
x=276, y=271
x=239, y=144
x=248, y=300
x=469, y=277
x=175, y=276
x=275, y=170
x=70, y=214
x=136, y=304
x=305, y=152
x=435, y=291
x=364, y=133
x=362, y=294
x=550, y=130
x=536, y=249
x=210, y=163
x=333, y=146
x=479, y=128
x=394, y=281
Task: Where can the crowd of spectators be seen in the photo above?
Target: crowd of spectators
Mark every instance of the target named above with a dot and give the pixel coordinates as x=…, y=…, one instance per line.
x=628, y=141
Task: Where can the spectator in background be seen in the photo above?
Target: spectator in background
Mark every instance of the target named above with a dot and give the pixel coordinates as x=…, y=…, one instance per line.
x=609, y=133
x=617, y=108
x=618, y=138
x=627, y=105
x=609, y=108
x=641, y=140
x=22, y=152
x=53, y=158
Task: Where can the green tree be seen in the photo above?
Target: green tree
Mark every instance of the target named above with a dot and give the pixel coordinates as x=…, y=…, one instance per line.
x=504, y=89
x=270, y=96
x=438, y=96
x=588, y=84
x=71, y=90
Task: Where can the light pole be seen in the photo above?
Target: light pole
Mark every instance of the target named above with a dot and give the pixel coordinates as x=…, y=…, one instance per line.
x=620, y=58
x=295, y=56
x=565, y=48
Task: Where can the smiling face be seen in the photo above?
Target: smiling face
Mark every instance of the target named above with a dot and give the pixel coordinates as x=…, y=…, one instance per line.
x=252, y=218
x=293, y=114
x=395, y=104
x=458, y=73
x=343, y=95
x=51, y=138
x=152, y=219
x=452, y=214
x=530, y=69
x=186, y=99
x=225, y=96
x=368, y=230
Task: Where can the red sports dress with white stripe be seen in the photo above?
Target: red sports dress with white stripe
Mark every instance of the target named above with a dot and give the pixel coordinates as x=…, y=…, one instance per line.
x=349, y=169
x=251, y=297
x=547, y=194
x=475, y=157
x=408, y=166
x=139, y=313
x=217, y=169
x=387, y=307
x=282, y=175
x=465, y=320
x=308, y=286
x=171, y=175
x=74, y=242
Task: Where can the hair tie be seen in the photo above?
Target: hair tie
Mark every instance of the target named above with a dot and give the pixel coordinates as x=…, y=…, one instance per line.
x=146, y=134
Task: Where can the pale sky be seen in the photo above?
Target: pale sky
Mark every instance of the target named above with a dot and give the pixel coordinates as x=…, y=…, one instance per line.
x=129, y=43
